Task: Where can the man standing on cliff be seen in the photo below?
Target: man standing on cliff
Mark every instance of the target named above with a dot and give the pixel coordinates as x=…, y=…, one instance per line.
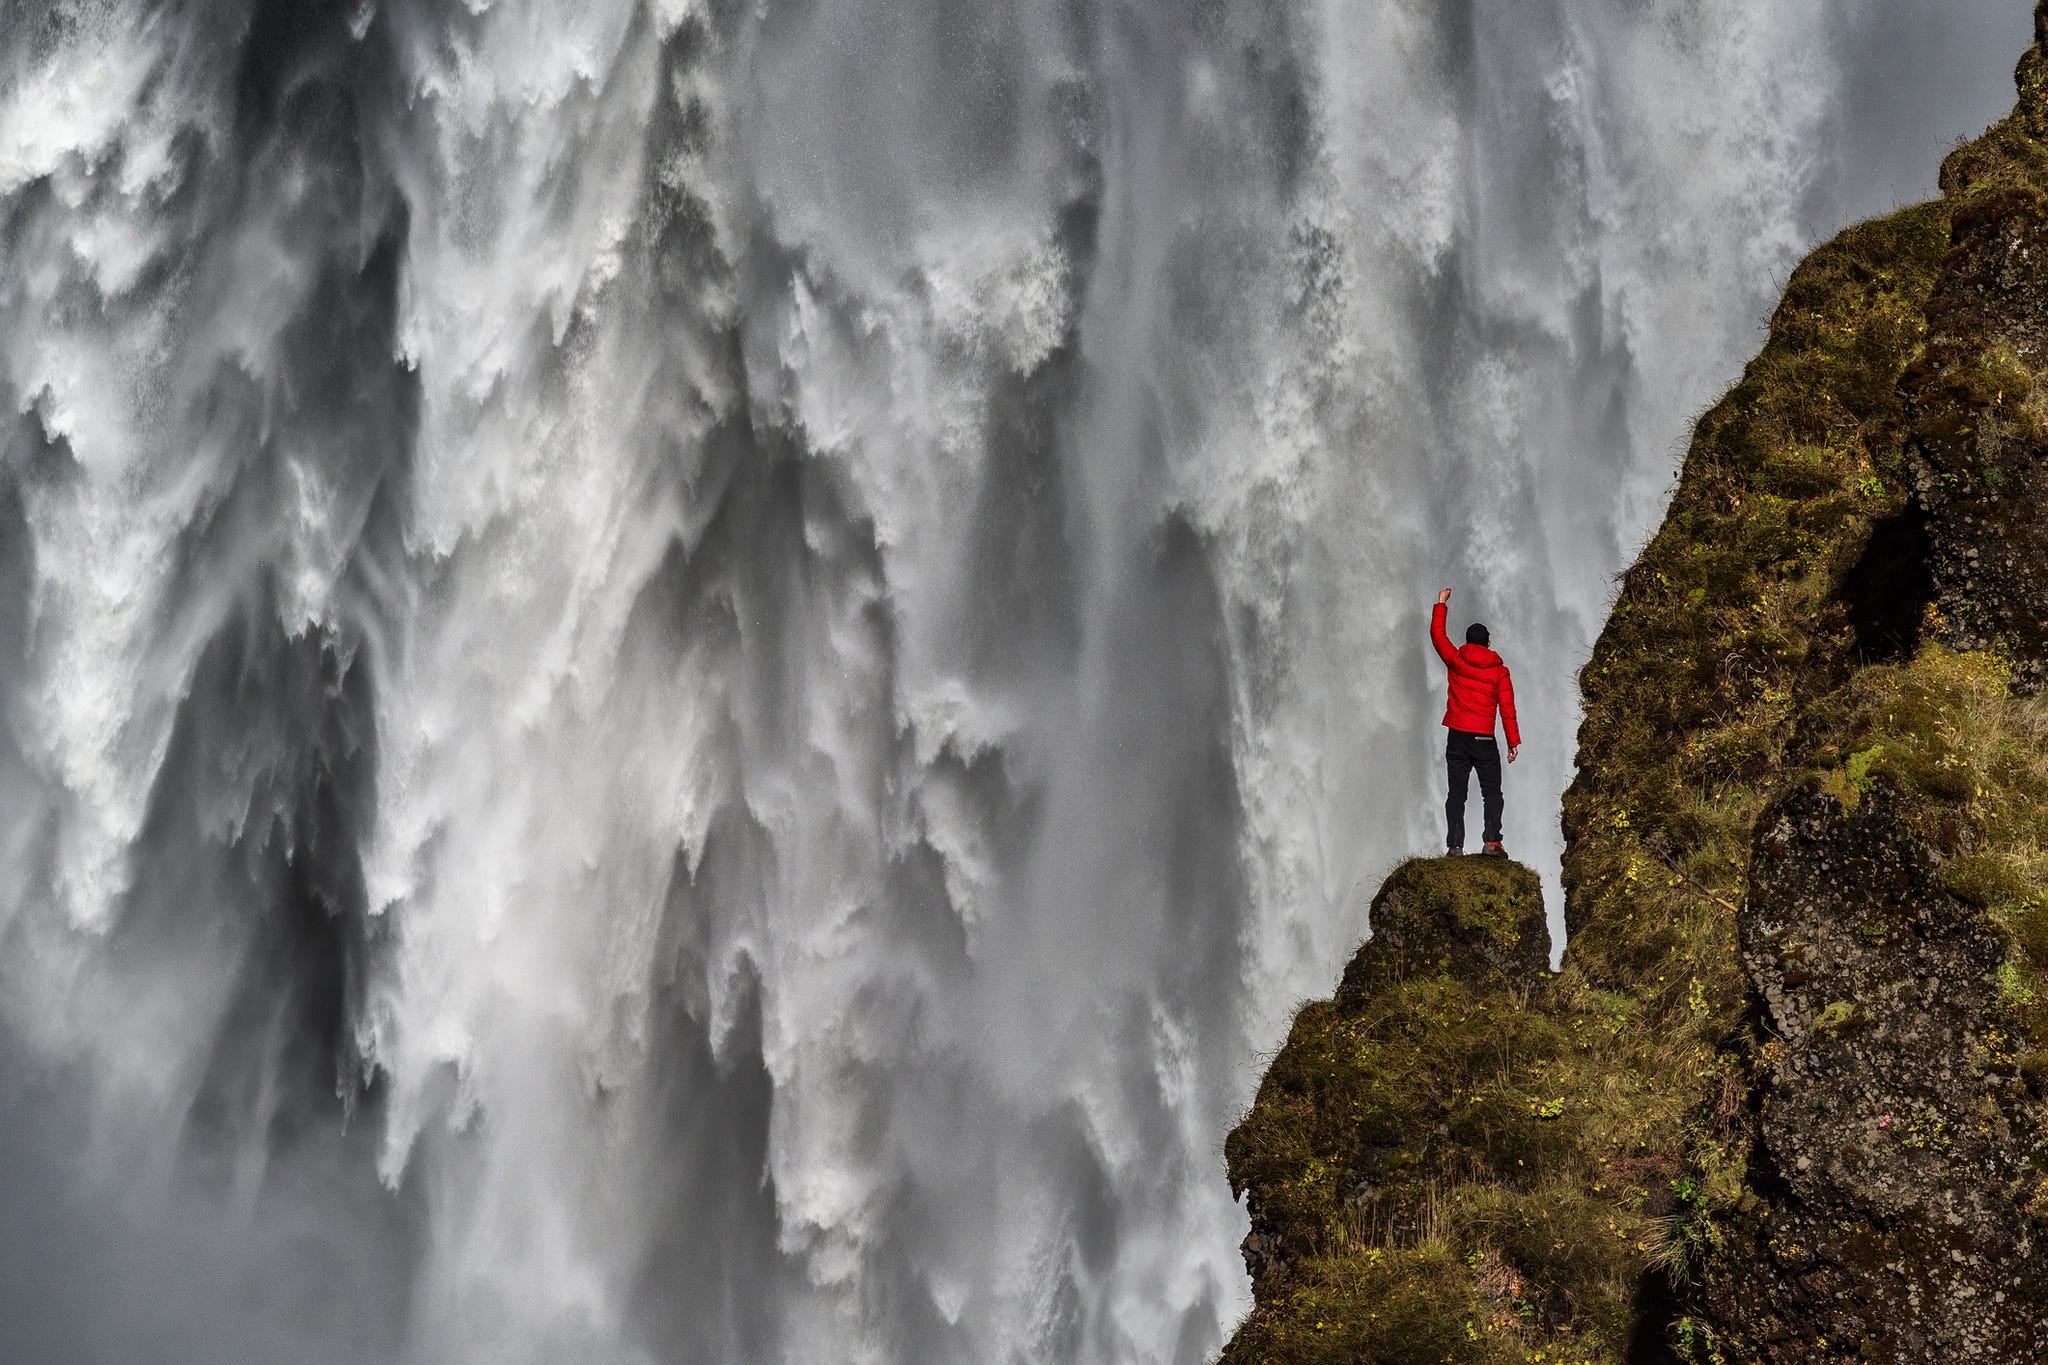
x=1479, y=684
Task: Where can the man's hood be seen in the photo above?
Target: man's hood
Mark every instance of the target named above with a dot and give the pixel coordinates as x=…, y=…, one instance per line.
x=1479, y=656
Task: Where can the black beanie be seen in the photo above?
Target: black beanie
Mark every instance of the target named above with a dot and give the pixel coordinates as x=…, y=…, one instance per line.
x=1475, y=634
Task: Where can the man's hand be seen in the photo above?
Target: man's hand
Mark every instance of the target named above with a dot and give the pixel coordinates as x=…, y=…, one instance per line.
x=1513, y=749
x=1443, y=595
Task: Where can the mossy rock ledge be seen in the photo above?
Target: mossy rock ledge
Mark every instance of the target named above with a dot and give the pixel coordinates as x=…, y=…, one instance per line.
x=1477, y=920
x=1786, y=1101
x=1378, y=1102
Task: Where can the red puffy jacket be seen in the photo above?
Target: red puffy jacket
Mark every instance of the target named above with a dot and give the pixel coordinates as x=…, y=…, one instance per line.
x=1479, y=682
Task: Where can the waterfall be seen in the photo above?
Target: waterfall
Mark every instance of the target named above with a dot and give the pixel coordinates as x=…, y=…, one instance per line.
x=688, y=681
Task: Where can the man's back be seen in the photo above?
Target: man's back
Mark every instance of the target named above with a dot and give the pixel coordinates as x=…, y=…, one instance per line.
x=1479, y=684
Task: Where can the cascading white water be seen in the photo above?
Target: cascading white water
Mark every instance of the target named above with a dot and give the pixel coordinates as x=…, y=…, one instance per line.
x=689, y=682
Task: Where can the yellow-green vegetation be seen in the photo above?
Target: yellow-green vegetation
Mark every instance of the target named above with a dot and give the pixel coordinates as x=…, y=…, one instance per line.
x=1968, y=760
x=1443, y=1168
x=1476, y=919
x=1735, y=619
x=1429, y=1074
x=1738, y=611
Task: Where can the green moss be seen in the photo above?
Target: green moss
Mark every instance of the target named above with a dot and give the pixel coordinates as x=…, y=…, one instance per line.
x=1836, y=1016
x=1456, y=916
x=1948, y=736
x=1420, y=1071
x=1416, y=1306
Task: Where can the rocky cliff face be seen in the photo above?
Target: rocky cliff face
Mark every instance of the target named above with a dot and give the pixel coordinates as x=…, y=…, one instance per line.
x=1785, y=1100
x=1891, y=1159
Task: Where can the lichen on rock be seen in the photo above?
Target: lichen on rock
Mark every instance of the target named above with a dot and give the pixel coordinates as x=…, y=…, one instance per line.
x=1893, y=1130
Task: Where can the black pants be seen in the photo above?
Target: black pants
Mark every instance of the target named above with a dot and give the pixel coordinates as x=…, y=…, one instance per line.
x=1463, y=752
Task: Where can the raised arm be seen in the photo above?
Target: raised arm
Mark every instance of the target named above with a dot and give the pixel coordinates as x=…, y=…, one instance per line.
x=1438, y=636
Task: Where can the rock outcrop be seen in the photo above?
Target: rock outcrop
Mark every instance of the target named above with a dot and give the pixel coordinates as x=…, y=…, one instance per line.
x=1378, y=1102
x=1787, y=1100
x=1894, y=1129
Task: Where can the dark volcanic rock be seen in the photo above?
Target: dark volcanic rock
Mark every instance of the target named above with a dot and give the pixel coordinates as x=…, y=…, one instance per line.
x=1893, y=1140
